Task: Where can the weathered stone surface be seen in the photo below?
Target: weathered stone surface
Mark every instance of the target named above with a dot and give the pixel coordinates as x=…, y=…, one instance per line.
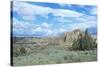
x=79, y=40
x=69, y=37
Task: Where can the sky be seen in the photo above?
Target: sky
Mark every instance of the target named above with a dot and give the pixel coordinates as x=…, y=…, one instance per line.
x=40, y=19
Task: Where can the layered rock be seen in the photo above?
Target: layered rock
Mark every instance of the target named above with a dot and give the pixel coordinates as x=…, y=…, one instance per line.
x=69, y=37
x=78, y=40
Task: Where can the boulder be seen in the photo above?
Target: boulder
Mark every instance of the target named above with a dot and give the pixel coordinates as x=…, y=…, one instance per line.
x=69, y=37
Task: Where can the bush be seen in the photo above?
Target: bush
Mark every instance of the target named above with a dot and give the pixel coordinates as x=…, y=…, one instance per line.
x=22, y=50
x=16, y=52
x=19, y=51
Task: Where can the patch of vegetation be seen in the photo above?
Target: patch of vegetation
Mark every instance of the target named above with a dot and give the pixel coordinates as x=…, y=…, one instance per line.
x=35, y=51
x=53, y=55
x=19, y=51
x=85, y=42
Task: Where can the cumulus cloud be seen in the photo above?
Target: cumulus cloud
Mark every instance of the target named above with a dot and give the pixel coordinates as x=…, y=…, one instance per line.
x=28, y=9
x=66, y=13
x=45, y=25
x=93, y=11
x=22, y=24
x=62, y=30
x=83, y=24
x=64, y=5
x=29, y=12
x=63, y=20
x=22, y=27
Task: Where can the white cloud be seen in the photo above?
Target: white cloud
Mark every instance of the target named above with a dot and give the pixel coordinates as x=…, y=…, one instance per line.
x=49, y=32
x=62, y=30
x=62, y=19
x=45, y=25
x=29, y=11
x=83, y=25
x=19, y=24
x=54, y=32
x=66, y=13
x=94, y=11
x=18, y=31
x=22, y=26
x=38, y=29
x=25, y=9
x=28, y=17
x=43, y=28
x=62, y=4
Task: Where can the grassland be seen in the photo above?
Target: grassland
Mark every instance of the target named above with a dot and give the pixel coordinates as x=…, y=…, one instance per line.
x=53, y=54
x=72, y=47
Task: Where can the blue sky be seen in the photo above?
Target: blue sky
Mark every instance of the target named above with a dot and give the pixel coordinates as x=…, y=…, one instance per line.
x=51, y=19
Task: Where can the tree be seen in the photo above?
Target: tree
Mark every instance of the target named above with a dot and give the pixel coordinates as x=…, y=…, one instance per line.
x=65, y=39
x=90, y=43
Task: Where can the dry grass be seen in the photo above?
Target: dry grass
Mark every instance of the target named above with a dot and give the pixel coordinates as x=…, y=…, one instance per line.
x=54, y=54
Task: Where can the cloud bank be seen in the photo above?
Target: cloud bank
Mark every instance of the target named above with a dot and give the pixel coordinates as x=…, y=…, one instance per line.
x=36, y=20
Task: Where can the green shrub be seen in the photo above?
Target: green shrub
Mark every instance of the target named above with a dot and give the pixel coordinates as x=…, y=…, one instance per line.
x=65, y=58
x=16, y=52
x=22, y=50
x=19, y=51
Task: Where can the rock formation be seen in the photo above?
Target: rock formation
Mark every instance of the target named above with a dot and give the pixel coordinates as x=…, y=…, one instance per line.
x=78, y=40
x=69, y=37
